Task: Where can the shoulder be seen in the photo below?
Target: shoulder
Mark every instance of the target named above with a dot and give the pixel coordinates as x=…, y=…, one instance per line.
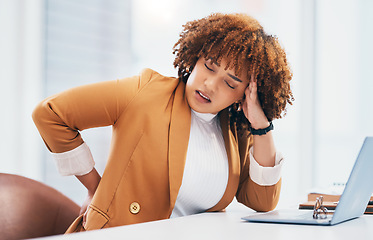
x=154, y=81
x=145, y=80
x=149, y=75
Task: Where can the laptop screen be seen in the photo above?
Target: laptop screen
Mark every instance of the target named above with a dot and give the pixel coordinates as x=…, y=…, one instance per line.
x=359, y=187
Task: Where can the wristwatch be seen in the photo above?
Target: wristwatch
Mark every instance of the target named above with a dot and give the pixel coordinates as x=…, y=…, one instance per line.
x=262, y=131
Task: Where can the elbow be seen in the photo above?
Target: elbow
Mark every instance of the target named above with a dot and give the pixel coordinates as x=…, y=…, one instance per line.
x=42, y=120
x=266, y=207
x=38, y=113
x=260, y=205
x=260, y=198
x=43, y=113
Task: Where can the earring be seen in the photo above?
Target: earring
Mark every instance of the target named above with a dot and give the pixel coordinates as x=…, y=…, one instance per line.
x=239, y=108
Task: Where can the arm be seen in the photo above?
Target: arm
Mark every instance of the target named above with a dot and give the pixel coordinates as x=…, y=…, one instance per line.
x=264, y=150
x=90, y=181
x=259, y=186
x=260, y=182
x=61, y=117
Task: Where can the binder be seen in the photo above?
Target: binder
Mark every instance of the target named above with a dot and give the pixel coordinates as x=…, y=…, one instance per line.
x=330, y=202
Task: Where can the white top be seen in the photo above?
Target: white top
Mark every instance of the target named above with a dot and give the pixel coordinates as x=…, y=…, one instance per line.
x=206, y=169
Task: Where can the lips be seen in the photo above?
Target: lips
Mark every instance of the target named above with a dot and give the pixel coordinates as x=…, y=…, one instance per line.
x=203, y=96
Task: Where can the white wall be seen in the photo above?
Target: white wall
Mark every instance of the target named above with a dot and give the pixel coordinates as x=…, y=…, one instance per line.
x=21, y=77
x=344, y=101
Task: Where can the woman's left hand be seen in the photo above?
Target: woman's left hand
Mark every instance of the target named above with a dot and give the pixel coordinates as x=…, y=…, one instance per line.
x=251, y=106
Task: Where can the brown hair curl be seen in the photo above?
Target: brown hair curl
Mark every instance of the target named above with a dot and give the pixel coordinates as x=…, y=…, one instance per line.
x=242, y=42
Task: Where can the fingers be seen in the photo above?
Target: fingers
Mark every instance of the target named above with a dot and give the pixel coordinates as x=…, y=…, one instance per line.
x=84, y=218
x=253, y=74
x=251, y=90
x=85, y=207
x=252, y=84
x=84, y=211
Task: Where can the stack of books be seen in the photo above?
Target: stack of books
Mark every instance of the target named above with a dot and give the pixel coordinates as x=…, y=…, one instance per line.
x=330, y=202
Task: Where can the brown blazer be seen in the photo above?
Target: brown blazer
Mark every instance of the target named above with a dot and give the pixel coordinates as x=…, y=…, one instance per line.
x=151, y=121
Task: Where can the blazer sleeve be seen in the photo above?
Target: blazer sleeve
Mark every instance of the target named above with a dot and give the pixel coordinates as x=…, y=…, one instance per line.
x=255, y=196
x=61, y=117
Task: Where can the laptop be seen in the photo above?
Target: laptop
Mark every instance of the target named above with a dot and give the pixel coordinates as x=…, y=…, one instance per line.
x=352, y=202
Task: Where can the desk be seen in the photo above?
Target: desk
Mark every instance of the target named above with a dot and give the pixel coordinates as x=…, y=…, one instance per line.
x=228, y=225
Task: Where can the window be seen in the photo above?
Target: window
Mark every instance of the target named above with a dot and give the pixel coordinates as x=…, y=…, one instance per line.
x=85, y=42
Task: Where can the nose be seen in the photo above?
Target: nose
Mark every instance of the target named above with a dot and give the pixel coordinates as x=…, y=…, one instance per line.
x=211, y=84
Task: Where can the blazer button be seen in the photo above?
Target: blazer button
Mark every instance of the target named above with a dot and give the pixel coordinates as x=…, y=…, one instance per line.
x=134, y=208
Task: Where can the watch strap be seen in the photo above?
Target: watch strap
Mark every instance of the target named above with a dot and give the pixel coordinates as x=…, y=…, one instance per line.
x=262, y=131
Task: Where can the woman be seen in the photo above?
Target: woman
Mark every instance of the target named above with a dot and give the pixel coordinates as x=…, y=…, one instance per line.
x=180, y=145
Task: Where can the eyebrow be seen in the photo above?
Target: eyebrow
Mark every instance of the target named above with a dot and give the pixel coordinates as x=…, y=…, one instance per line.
x=234, y=77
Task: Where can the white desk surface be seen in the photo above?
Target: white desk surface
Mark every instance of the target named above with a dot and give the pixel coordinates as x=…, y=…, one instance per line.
x=228, y=225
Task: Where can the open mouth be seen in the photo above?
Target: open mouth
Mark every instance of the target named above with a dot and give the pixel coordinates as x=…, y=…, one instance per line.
x=204, y=96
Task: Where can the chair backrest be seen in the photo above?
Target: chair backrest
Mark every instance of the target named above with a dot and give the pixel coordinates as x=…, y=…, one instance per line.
x=29, y=209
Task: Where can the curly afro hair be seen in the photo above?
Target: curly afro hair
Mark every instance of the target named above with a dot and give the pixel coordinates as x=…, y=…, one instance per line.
x=242, y=42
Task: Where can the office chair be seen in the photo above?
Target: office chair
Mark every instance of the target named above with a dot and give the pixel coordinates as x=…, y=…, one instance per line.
x=29, y=209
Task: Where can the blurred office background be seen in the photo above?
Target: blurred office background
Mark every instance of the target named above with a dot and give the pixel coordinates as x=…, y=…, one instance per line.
x=47, y=46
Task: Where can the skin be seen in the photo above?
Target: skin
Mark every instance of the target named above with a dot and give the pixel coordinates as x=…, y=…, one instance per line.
x=90, y=181
x=210, y=89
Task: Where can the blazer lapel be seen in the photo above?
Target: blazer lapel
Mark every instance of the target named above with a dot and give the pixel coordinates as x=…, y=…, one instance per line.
x=178, y=141
x=231, y=146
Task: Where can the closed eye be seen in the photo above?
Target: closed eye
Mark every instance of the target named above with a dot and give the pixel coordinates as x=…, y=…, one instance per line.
x=210, y=69
x=232, y=87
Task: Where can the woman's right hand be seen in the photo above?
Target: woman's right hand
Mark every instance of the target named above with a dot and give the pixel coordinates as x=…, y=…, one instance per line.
x=84, y=208
x=90, y=181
